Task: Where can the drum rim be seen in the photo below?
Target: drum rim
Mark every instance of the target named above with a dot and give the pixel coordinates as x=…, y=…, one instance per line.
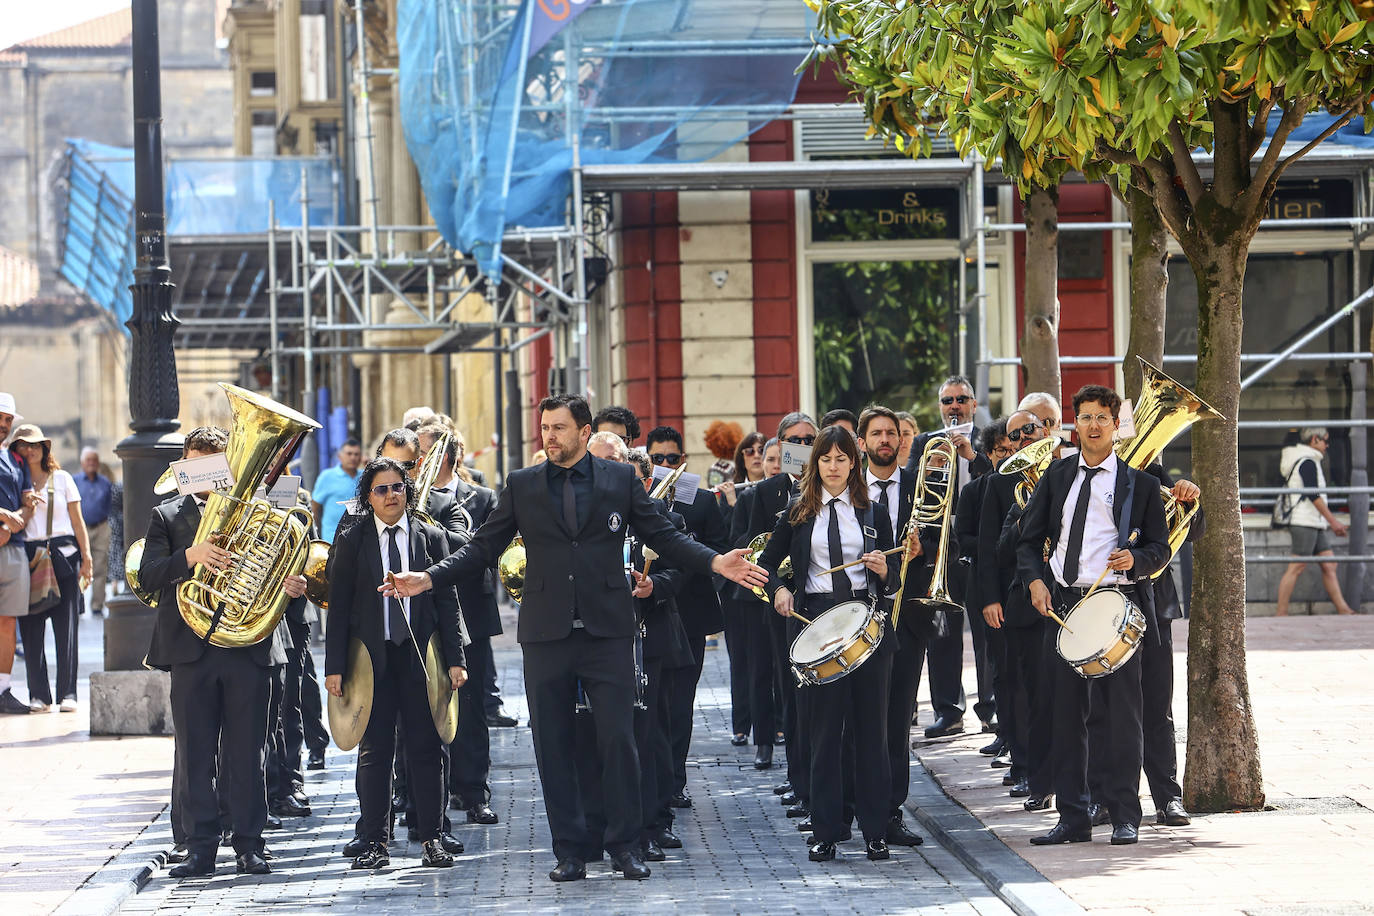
x=870, y=612
x=1131, y=606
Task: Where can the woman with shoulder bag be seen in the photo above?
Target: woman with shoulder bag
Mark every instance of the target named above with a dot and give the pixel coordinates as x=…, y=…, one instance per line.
x=60, y=555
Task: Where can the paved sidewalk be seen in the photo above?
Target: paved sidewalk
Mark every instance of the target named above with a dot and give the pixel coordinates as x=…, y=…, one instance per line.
x=70, y=801
x=1309, y=682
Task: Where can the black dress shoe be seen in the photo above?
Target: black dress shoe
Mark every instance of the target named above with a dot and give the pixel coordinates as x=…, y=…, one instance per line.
x=1125, y=835
x=374, y=856
x=178, y=854
x=289, y=807
x=1020, y=790
x=1098, y=815
x=298, y=793
x=789, y=799
x=680, y=800
x=821, y=852
x=1173, y=815
x=651, y=851
x=452, y=845
x=481, y=814
x=1008, y=779
x=267, y=854
x=899, y=835
x=805, y=826
x=226, y=837
x=273, y=822
x=10, y=705
x=1002, y=760
x=989, y=727
x=436, y=856
x=1038, y=803
x=877, y=849
x=629, y=864
x=569, y=869
x=763, y=757
x=800, y=809
x=315, y=761
x=782, y=789
x=739, y=739
x=993, y=749
x=1061, y=834
x=501, y=720
x=197, y=865
x=945, y=726
x=667, y=839
x=354, y=847
x=252, y=863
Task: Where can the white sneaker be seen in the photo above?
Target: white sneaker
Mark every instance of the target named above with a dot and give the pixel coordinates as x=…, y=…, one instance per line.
x=39, y=707
x=68, y=705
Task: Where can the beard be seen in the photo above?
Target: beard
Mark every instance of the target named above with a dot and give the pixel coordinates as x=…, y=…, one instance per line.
x=874, y=458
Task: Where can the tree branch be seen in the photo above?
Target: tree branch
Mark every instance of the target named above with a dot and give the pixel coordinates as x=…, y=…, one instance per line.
x=1258, y=126
x=1335, y=125
x=1166, y=196
x=1292, y=117
x=1183, y=163
x=1112, y=154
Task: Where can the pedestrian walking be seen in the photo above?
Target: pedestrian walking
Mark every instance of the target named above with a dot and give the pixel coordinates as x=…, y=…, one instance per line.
x=96, y=499
x=1309, y=518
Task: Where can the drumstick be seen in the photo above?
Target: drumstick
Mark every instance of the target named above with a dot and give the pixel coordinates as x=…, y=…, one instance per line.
x=649, y=557
x=1129, y=541
x=801, y=618
x=835, y=569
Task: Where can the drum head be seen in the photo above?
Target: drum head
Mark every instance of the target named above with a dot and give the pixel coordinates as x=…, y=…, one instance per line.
x=349, y=713
x=1093, y=625
x=443, y=699
x=830, y=632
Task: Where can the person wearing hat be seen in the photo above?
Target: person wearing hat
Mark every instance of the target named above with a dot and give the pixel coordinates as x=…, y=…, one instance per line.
x=58, y=526
x=16, y=507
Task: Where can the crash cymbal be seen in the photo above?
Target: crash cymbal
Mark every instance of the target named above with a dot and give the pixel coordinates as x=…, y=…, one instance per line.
x=348, y=714
x=443, y=699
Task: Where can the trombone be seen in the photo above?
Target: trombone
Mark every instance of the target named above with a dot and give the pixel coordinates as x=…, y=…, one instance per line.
x=933, y=506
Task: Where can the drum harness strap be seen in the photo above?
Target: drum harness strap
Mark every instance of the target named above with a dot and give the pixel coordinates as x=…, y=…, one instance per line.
x=1124, y=536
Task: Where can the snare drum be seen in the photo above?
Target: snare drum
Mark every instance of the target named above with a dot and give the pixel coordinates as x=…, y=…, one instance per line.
x=1101, y=633
x=836, y=642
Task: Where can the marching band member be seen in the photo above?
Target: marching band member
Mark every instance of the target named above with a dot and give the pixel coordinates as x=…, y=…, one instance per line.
x=396, y=632
x=1091, y=507
x=737, y=606
x=834, y=522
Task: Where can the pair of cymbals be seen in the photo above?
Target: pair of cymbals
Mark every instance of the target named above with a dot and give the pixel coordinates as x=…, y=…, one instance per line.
x=349, y=714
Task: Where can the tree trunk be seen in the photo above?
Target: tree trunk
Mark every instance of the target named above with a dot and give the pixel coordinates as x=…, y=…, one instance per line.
x=1149, y=287
x=1222, y=771
x=1040, y=345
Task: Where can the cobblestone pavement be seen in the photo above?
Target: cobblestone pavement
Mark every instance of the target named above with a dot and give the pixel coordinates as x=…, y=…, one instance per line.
x=1309, y=685
x=741, y=854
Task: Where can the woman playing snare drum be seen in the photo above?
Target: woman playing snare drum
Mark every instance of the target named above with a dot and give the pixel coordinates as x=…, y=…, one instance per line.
x=834, y=522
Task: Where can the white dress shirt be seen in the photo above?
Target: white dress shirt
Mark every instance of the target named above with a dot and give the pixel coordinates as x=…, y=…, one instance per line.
x=894, y=492
x=403, y=543
x=1099, y=529
x=851, y=544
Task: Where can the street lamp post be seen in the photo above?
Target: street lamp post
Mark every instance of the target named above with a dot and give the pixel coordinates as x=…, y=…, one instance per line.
x=154, y=399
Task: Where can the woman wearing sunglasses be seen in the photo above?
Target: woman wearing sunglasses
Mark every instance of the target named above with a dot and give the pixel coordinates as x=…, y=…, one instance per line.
x=834, y=522
x=388, y=539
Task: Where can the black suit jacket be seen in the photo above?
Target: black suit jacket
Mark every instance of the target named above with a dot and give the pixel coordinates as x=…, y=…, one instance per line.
x=916, y=617
x=477, y=593
x=664, y=635
x=356, y=608
x=757, y=511
x=698, y=602
x=1043, y=519
x=172, y=529
x=585, y=566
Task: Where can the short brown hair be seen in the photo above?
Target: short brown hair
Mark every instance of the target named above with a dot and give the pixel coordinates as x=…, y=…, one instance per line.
x=1099, y=394
x=208, y=439
x=867, y=415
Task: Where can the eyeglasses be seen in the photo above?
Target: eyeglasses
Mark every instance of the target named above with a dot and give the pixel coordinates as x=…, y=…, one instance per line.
x=408, y=465
x=666, y=458
x=799, y=440
x=1003, y=451
x=962, y=399
x=1025, y=430
x=382, y=489
x=756, y=450
x=1100, y=419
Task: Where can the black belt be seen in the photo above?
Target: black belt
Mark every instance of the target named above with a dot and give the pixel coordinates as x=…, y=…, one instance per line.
x=1076, y=593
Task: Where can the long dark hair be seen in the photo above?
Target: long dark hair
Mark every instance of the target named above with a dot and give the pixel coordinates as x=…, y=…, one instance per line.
x=754, y=438
x=369, y=474
x=812, y=490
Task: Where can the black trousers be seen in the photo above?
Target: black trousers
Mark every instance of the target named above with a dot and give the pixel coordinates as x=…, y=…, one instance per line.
x=1157, y=696
x=799, y=728
x=606, y=669
x=655, y=753
x=985, y=666
x=398, y=695
x=294, y=700
x=737, y=645
x=223, y=691
x=33, y=631
x=905, y=680
x=491, y=694
x=758, y=651
x=681, y=684
x=1119, y=700
x=312, y=707
x=945, y=655
x=469, y=775
x=278, y=777
x=1030, y=661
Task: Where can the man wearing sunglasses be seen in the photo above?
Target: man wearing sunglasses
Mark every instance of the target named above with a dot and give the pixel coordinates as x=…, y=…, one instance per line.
x=698, y=604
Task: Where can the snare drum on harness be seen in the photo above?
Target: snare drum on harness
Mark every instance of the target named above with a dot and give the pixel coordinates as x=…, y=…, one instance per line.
x=1101, y=633
x=837, y=642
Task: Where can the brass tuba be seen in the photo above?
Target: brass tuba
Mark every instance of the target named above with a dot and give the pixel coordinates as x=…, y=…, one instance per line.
x=1030, y=462
x=1165, y=409
x=241, y=605
x=933, y=505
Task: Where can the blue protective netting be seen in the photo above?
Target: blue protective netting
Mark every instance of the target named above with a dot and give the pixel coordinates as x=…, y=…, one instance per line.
x=203, y=197
x=491, y=126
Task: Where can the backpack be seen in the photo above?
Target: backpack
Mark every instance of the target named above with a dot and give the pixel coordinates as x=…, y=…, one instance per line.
x=1286, y=502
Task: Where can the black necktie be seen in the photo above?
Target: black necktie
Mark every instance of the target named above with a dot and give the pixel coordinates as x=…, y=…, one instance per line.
x=396, y=615
x=882, y=500
x=1080, y=521
x=569, y=501
x=838, y=580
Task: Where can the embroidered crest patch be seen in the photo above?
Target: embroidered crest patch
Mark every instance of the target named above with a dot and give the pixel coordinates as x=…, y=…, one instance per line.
x=614, y=522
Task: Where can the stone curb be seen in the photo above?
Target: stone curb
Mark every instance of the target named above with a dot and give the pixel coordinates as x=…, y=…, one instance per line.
x=1006, y=874
x=106, y=891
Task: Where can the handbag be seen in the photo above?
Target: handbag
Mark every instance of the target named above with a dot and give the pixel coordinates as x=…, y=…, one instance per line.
x=44, y=593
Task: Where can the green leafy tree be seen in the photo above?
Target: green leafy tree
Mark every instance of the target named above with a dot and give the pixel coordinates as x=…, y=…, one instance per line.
x=1128, y=89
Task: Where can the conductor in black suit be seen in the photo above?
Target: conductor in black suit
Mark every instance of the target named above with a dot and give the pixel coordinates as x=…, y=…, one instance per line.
x=396, y=633
x=214, y=689
x=577, y=618
x=1096, y=512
